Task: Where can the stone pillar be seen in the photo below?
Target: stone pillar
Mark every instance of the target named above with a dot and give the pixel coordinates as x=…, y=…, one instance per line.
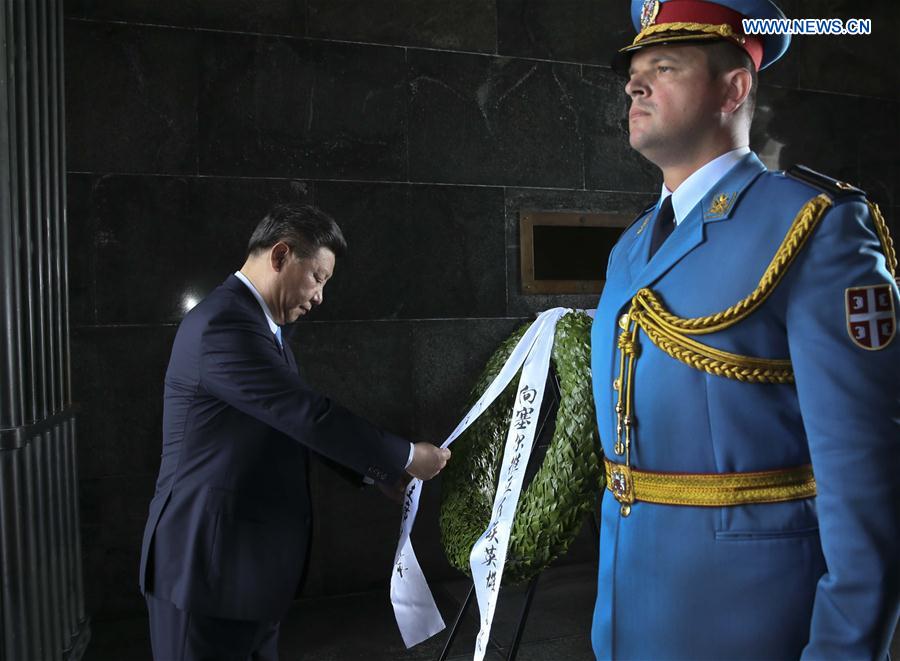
x=41, y=591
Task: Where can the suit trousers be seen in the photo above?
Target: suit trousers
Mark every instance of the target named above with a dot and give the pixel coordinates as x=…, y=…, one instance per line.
x=177, y=635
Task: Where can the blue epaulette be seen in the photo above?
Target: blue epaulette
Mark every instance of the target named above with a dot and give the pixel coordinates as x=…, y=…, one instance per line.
x=833, y=187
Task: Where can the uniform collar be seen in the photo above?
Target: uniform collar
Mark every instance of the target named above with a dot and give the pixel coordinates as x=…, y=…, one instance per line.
x=718, y=204
x=695, y=187
x=259, y=299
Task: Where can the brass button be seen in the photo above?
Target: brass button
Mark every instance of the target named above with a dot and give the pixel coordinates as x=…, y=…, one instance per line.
x=623, y=322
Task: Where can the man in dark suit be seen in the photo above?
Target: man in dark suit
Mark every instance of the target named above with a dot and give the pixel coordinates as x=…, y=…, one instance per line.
x=229, y=524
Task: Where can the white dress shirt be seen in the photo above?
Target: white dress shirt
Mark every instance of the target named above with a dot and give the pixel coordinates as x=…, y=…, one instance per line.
x=692, y=189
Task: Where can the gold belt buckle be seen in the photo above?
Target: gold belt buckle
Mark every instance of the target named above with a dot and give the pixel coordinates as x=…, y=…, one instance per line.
x=622, y=487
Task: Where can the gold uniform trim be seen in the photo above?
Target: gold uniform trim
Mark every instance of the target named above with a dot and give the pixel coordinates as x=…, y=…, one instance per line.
x=884, y=235
x=630, y=485
x=670, y=333
x=651, y=33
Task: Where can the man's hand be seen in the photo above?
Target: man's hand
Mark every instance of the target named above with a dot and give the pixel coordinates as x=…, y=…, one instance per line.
x=428, y=460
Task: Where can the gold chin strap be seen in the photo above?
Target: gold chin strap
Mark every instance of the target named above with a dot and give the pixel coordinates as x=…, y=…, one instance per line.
x=670, y=333
x=723, y=30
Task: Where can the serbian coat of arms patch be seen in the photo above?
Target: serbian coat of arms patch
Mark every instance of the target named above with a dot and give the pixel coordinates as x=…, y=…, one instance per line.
x=871, y=321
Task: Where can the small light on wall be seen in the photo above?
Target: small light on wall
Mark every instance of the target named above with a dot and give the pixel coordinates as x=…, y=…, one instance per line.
x=188, y=301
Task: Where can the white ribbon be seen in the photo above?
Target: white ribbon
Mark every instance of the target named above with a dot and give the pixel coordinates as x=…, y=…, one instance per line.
x=417, y=615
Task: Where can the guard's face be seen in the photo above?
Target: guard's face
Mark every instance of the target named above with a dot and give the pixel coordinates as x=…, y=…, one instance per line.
x=302, y=284
x=675, y=102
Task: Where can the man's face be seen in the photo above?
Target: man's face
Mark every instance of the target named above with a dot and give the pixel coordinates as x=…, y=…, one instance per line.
x=301, y=284
x=675, y=101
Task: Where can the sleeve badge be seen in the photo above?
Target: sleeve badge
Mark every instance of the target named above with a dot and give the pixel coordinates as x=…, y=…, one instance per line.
x=871, y=322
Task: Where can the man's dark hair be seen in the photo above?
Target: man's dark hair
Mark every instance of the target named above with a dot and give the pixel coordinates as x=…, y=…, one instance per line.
x=302, y=226
x=724, y=56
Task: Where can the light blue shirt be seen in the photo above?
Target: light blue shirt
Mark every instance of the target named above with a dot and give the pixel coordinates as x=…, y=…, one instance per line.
x=276, y=331
x=695, y=187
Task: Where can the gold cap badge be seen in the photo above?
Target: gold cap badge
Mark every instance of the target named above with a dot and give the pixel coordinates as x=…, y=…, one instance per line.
x=649, y=10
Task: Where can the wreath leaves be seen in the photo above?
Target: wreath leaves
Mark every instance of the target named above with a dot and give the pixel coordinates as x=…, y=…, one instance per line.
x=565, y=487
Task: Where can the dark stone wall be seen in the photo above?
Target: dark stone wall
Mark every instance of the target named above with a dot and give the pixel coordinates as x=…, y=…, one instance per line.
x=423, y=126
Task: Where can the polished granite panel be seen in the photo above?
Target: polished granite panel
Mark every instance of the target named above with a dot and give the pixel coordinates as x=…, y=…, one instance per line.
x=448, y=357
x=157, y=245
x=610, y=162
x=147, y=243
x=290, y=107
x=523, y=199
x=839, y=135
x=271, y=16
x=355, y=536
x=366, y=366
x=792, y=126
x=466, y=25
x=117, y=380
x=879, y=166
x=131, y=98
x=81, y=254
x=572, y=30
x=369, y=369
x=852, y=64
x=847, y=64
x=113, y=512
x=415, y=251
x=495, y=121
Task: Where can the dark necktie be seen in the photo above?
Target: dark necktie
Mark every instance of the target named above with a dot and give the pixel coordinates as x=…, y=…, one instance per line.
x=665, y=223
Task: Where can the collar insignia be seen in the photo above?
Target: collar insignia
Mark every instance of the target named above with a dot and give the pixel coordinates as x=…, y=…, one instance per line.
x=720, y=205
x=644, y=224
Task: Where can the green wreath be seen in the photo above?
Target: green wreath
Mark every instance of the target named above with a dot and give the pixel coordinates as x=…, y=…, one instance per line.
x=551, y=509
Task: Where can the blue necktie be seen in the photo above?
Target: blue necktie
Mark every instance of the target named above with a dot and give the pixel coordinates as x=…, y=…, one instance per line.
x=278, y=337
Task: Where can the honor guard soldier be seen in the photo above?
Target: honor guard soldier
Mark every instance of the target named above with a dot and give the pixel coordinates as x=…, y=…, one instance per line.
x=746, y=377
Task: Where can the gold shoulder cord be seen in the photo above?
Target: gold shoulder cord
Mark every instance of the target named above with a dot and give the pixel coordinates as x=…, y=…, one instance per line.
x=670, y=332
x=884, y=236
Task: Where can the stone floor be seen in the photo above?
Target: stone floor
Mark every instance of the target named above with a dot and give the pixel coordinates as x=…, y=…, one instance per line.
x=361, y=627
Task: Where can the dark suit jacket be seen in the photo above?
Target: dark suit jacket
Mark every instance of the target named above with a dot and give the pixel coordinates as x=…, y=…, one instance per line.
x=228, y=526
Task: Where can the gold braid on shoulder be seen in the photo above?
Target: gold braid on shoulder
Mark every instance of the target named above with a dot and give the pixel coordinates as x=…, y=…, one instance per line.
x=799, y=232
x=670, y=333
x=884, y=235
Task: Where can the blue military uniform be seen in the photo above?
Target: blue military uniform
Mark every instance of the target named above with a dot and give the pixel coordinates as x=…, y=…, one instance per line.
x=759, y=341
